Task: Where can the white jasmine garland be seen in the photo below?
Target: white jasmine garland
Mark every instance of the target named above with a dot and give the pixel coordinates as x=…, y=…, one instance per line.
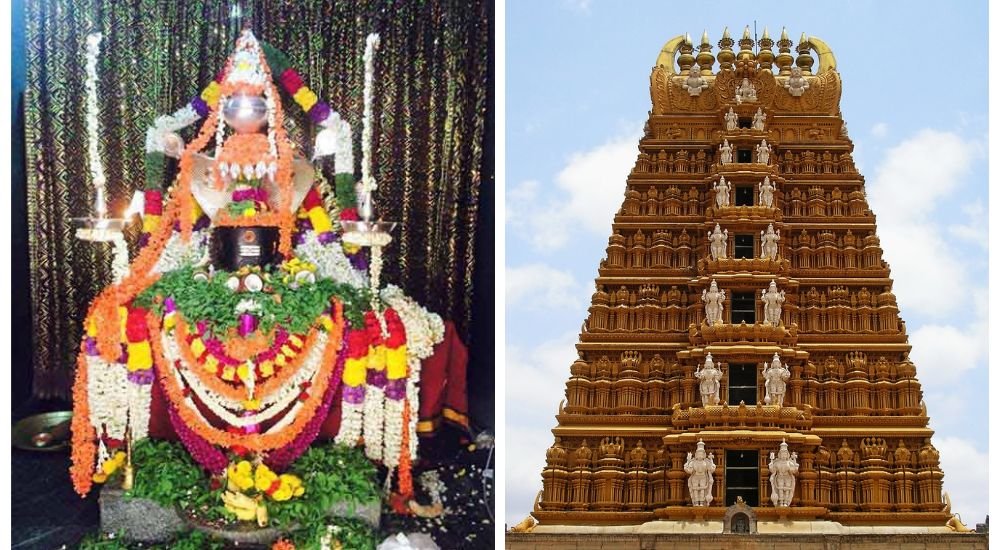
x=367, y=180
x=168, y=124
x=222, y=406
x=139, y=398
x=93, y=122
x=393, y=434
x=413, y=397
x=374, y=421
x=330, y=261
x=424, y=329
x=178, y=254
x=119, y=261
x=107, y=396
x=350, y=424
x=220, y=128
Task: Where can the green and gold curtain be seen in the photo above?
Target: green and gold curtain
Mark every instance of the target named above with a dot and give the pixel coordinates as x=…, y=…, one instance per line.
x=431, y=109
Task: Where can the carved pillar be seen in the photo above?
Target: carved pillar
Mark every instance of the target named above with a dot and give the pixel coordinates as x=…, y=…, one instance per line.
x=903, y=479
x=578, y=388
x=658, y=488
x=555, y=479
x=580, y=479
x=874, y=476
x=807, y=480
x=846, y=479
x=636, y=479
x=676, y=478
x=929, y=479
x=609, y=478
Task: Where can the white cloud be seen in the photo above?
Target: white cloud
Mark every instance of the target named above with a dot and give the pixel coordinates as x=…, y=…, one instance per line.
x=966, y=470
x=588, y=191
x=536, y=382
x=908, y=188
x=538, y=286
x=974, y=229
x=880, y=130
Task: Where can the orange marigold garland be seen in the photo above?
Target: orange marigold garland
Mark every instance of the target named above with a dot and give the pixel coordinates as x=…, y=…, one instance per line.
x=84, y=448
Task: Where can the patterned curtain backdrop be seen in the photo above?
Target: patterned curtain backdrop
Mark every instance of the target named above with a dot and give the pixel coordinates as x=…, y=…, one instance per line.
x=431, y=107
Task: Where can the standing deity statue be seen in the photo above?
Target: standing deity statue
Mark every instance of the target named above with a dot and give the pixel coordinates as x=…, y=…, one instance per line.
x=713, y=298
x=769, y=242
x=709, y=377
x=763, y=152
x=721, y=192
x=731, y=119
x=796, y=83
x=694, y=83
x=775, y=376
x=700, y=468
x=766, y=194
x=758, y=119
x=725, y=152
x=719, y=242
x=772, y=304
x=783, y=469
x=745, y=92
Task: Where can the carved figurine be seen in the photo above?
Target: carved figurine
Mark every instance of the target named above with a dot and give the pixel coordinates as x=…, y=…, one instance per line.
x=758, y=119
x=796, y=83
x=775, y=376
x=700, y=468
x=766, y=194
x=725, y=152
x=773, y=299
x=783, y=469
x=731, y=119
x=769, y=242
x=719, y=242
x=694, y=83
x=745, y=92
x=763, y=152
x=709, y=377
x=713, y=298
x=721, y=192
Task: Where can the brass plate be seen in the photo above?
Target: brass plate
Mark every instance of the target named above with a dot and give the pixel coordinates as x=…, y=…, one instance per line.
x=26, y=428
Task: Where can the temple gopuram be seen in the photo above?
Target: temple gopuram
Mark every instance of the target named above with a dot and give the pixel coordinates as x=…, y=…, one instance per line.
x=743, y=377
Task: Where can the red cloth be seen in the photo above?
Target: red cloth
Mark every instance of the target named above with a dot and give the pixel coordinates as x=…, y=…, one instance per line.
x=442, y=393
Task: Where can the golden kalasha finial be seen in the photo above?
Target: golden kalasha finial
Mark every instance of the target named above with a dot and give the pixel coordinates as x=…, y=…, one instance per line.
x=726, y=55
x=746, y=47
x=765, y=57
x=686, y=58
x=784, y=58
x=804, y=61
x=705, y=57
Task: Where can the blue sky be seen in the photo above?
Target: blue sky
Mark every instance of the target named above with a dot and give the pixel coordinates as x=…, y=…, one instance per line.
x=915, y=101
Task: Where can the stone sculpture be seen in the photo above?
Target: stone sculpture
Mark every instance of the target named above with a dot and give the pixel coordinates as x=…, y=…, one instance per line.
x=700, y=468
x=775, y=377
x=763, y=152
x=769, y=243
x=783, y=470
x=721, y=192
x=719, y=240
x=766, y=193
x=694, y=83
x=713, y=298
x=731, y=119
x=796, y=83
x=758, y=119
x=725, y=153
x=773, y=299
x=709, y=377
x=745, y=92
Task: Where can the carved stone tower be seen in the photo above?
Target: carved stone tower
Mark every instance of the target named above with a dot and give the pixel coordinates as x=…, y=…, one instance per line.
x=790, y=298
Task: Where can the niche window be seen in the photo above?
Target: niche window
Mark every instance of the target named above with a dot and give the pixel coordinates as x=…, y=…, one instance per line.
x=744, y=155
x=743, y=477
x=744, y=195
x=744, y=308
x=745, y=122
x=744, y=247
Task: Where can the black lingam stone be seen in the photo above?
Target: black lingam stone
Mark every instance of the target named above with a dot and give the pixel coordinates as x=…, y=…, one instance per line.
x=234, y=247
